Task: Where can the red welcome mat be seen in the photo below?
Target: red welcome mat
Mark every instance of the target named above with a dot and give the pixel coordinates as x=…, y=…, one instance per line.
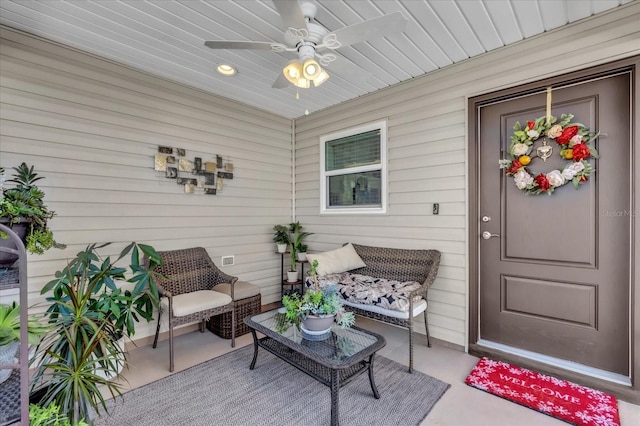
x=564, y=400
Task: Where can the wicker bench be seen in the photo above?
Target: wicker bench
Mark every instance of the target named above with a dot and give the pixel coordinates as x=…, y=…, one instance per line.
x=402, y=265
x=247, y=302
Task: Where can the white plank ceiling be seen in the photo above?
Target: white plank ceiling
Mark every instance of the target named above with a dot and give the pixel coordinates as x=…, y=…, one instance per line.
x=166, y=38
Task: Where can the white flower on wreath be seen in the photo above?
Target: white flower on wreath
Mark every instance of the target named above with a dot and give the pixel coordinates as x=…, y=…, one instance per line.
x=533, y=134
x=572, y=170
x=520, y=149
x=575, y=140
x=554, y=131
x=555, y=178
x=522, y=179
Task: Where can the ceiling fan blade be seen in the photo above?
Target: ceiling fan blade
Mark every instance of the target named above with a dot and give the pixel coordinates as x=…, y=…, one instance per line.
x=281, y=82
x=376, y=27
x=347, y=69
x=290, y=13
x=256, y=45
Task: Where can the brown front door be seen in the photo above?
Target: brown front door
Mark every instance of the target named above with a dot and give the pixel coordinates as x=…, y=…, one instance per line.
x=554, y=276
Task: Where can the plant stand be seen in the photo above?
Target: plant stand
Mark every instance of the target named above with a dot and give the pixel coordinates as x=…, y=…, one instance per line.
x=14, y=393
x=287, y=287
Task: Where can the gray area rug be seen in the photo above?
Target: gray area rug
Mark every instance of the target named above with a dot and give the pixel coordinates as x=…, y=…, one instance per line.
x=223, y=391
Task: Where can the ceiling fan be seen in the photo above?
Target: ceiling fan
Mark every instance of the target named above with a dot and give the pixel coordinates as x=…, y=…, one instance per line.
x=313, y=43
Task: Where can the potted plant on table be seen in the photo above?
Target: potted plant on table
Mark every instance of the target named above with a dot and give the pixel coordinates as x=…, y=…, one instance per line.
x=316, y=310
x=281, y=237
x=89, y=315
x=10, y=334
x=23, y=210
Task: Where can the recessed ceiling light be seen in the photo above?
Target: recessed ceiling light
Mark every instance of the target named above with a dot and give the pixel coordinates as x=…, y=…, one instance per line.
x=227, y=70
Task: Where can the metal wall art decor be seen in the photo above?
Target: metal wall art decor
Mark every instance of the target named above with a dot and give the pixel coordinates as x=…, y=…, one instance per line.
x=160, y=163
x=172, y=172
x=184, y=171
x=184, y=181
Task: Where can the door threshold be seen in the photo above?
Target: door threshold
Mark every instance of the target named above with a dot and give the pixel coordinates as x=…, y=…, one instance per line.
x=560, y=363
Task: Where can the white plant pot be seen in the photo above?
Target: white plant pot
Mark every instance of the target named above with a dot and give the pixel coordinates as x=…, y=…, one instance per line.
x=282, y=248
x=318, y=324
x=109, y=375
x=292, y=276
x=301, y=256
x=7, y=356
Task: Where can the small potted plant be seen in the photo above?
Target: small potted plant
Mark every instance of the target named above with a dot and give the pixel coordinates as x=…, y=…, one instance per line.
x=89, y=314
x=10, y=334
x=281, y=237
x=23, y=210
x=302, y=252
x=316, y=310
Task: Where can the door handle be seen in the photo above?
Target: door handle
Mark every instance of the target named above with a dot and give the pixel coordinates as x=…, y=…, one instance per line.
x=486, y=235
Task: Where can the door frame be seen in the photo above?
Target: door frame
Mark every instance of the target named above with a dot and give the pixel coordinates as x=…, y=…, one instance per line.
x=632, y=65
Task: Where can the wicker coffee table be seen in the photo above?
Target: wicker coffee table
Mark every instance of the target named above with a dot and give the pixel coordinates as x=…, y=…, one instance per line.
x=334, y=361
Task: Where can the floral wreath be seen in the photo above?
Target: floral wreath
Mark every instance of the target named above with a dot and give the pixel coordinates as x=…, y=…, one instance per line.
x=576, y=145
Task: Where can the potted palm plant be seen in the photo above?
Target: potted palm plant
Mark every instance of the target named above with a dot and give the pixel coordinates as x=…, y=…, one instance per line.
x=23, y=210
x=315, y=311
x=10, y=334
x=296, y=238
x=88, y=315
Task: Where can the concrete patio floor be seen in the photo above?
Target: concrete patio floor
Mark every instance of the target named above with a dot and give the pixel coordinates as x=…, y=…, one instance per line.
x=460, y=405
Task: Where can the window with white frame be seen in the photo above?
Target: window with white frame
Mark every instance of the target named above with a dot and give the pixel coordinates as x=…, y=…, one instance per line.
x=353, y=168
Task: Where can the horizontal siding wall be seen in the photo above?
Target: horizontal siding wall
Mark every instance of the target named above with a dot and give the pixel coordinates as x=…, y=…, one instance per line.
x=427, y=163
x=92, y=128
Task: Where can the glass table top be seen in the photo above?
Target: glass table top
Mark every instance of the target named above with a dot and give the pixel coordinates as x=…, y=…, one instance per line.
x=338, y=345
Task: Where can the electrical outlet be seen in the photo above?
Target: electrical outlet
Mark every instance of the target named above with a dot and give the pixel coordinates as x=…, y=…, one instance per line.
x=228, y=260
x=436, y=208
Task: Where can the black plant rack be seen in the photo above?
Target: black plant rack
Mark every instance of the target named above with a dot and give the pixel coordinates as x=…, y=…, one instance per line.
x=14, y=392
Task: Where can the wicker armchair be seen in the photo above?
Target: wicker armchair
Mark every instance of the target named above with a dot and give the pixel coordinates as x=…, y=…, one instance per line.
x=187, y=292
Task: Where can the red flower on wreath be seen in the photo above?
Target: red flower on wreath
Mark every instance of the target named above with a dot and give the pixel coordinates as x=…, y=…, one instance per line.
x=531, y=125
x=580, y=152
x=542, y=182
x=515, y=166
x=567, y=134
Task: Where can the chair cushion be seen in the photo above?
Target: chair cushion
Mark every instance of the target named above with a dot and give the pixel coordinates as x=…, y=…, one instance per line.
x=197, y=301
x=241, y=289
x=418, y=308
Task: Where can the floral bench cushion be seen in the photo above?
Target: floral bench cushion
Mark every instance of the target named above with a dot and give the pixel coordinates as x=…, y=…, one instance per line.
x=362, y=289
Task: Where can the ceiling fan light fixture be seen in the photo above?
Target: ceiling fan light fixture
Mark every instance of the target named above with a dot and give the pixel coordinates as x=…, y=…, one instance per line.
x=302, y=83
x=321, y=78
x=226, y=70
x=311, y=69
x=293, y=71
